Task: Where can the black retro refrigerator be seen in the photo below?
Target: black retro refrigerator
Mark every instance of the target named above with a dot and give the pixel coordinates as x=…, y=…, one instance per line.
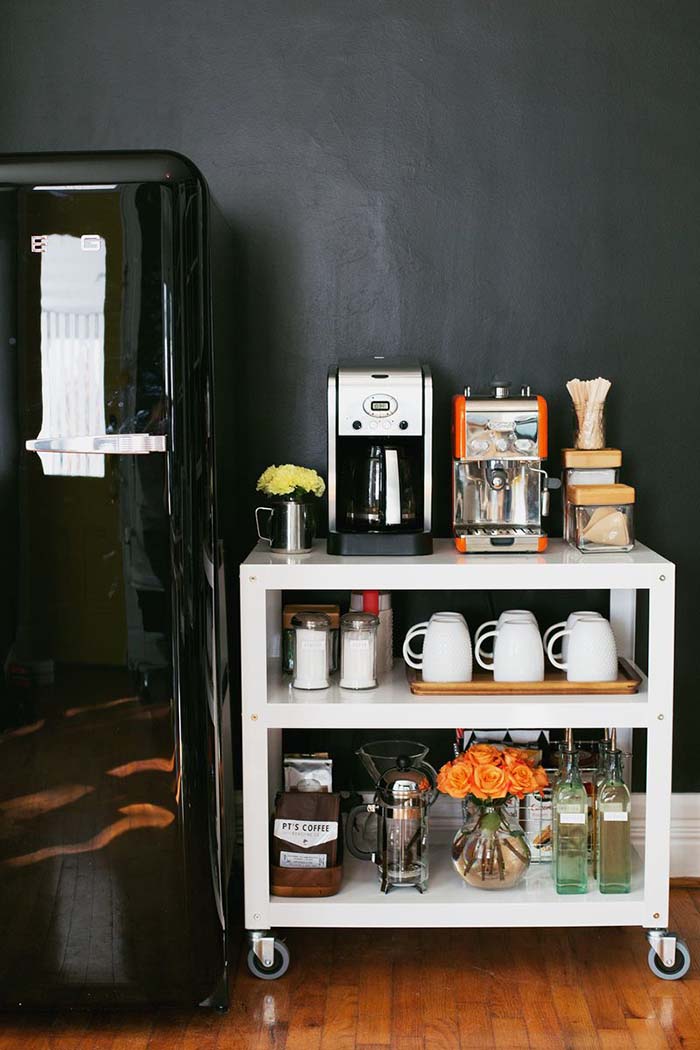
x=115, y=735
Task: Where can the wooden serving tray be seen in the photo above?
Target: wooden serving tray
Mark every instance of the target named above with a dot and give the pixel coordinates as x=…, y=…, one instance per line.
x=554, y=684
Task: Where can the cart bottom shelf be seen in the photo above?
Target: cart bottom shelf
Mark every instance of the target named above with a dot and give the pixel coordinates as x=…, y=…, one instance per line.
x=448, y=902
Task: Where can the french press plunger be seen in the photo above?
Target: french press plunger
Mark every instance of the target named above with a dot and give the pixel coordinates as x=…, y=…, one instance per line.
x=402, y=797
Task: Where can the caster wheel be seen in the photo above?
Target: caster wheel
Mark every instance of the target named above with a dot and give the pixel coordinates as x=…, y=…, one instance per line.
x=680, y=966
x=278, y=968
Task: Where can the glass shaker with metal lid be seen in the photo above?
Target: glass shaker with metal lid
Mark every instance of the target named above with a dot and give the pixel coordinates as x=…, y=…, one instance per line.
x=311, y=649
x=358, y=650
x=402, y=798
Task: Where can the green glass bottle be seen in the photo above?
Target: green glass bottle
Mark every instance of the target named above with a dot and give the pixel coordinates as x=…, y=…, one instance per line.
x=570, y=820
x=614, y=851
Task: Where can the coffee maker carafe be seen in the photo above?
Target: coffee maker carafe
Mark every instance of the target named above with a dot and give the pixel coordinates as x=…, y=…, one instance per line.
x=379, y=459
x=405, y=789
x=381, y=488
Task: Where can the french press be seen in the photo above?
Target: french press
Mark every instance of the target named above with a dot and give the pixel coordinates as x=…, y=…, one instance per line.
x=402, y=797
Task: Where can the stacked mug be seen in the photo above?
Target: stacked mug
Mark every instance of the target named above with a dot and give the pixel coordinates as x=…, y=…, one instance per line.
x=447, y=648
x=587, y=653
x=517, y=654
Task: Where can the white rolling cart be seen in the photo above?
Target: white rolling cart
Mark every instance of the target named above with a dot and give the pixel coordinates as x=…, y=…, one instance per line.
x=269, y=705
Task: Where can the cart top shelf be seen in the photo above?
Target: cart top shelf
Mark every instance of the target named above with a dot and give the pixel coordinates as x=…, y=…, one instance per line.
x=560, y=567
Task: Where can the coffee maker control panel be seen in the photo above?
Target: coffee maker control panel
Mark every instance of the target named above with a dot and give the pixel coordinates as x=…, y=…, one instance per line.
x=380, y=405
x=386, y=402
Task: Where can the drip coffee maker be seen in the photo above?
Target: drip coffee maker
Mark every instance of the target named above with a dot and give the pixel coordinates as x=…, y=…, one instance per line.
x=406, y=787
x=379, y=458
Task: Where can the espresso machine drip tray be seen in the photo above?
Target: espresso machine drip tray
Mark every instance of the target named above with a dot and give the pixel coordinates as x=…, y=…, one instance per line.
x=491, y=539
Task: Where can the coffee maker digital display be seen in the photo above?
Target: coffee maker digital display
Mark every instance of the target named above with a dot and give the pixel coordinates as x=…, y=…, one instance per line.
x=379, y=458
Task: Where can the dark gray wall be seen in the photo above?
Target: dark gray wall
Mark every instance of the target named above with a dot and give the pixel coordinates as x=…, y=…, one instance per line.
x=490, y=185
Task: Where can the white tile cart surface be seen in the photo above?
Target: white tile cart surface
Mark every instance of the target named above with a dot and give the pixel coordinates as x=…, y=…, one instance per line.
x=269, y=705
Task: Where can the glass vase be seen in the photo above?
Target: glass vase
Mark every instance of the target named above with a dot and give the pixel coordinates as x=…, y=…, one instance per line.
x=490, y=851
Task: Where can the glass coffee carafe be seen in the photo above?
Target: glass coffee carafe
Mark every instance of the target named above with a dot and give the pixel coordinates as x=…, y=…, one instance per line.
x=405, y=789
x=378, y=487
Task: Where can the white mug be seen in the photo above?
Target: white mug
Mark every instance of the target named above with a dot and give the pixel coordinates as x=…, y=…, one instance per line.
x=518, y=655
x=568, y=624
x=523, y=614
x=447, y=649
x=591, y=654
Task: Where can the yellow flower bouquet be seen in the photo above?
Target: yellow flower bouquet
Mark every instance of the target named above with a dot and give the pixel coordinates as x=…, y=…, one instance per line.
x=291, y=482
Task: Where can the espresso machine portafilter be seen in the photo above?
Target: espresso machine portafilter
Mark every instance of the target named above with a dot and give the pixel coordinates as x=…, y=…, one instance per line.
x=500, y=491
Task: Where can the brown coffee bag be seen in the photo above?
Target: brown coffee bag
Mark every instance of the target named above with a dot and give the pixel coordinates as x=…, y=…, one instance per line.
x=306, y=830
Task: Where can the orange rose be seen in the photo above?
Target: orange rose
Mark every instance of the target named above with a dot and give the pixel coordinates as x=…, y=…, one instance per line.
x=490, y=781
x=454, y=779
x=512, y=755
x=443, y=777
x=484, y=754
x=541, y=777
x=521, y=780
x=459, y=780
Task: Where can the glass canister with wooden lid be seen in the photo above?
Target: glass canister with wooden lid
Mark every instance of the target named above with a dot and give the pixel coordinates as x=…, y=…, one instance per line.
x=580, y=466
x=602, y=517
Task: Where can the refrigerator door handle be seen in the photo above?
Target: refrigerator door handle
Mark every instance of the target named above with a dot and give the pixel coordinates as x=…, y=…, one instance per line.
x=102, y=444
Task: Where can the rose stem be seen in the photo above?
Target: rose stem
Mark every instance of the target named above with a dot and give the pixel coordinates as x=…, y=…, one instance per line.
x=501, y=862
x=518, y=854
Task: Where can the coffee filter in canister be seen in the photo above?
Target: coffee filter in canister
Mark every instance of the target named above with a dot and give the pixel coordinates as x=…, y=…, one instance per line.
x=608, y=527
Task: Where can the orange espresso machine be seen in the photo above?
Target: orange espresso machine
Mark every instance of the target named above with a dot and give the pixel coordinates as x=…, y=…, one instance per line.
x=500, y=492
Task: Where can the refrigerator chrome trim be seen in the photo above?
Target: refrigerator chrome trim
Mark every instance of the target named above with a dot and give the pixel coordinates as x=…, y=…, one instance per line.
x=102, y=444
x=79, y=186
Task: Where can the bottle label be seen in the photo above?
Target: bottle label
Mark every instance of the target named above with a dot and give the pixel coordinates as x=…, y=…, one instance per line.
x=614, y=811
x=306, y=833
x=302, y=860
x=572, y=818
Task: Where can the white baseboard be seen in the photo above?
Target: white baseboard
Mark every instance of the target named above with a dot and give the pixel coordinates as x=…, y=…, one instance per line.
x=685, y=832
x=685, y=828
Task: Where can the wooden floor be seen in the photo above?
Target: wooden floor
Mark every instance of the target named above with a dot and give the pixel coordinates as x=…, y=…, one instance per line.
x=428, y=990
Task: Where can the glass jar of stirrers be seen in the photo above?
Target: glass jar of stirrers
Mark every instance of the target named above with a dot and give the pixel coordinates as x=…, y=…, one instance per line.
x=588, y=397
x=589, y=426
